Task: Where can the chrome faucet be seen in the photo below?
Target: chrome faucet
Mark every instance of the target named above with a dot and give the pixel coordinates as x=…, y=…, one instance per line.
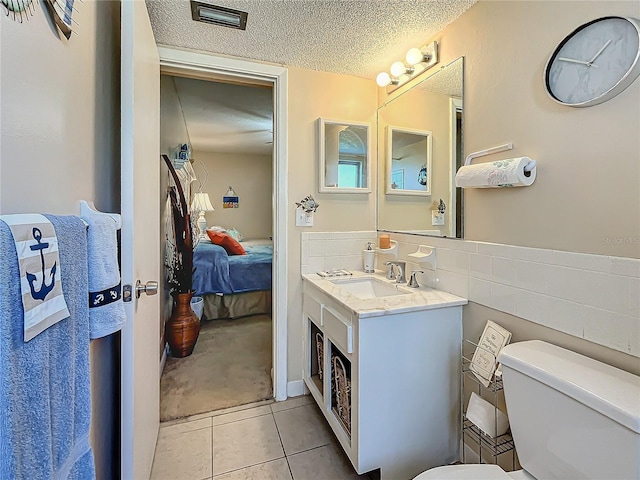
x=399, y=277
x=413, y=281
x=391, y=274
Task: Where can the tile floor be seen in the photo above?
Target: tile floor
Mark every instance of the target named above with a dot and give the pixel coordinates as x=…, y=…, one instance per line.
x=267, y=441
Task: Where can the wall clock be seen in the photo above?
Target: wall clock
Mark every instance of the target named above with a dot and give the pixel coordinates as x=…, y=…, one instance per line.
x=595, y=62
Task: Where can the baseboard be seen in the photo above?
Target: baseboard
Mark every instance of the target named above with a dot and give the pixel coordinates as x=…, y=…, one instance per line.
x=296, y=388
x=163, y=359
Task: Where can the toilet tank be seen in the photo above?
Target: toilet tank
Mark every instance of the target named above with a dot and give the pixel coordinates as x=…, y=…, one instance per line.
x=571, y=416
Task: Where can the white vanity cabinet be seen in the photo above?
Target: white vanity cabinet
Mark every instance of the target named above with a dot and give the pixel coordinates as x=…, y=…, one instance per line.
x=403, y=365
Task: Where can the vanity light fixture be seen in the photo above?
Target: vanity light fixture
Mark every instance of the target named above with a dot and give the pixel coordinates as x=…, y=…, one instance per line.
x=225, y=17
x=383, y=79
x=418, y=60
x=415, y=56
x=398, y=68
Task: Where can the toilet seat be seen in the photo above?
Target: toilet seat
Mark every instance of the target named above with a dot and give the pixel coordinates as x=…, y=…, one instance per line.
x=465, y=472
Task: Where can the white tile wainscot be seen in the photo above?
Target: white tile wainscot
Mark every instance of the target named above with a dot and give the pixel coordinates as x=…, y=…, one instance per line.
x=595, y=297
x=402, y=356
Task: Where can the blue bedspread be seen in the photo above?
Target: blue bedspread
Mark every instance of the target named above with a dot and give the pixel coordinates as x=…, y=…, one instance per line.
x=217, y=272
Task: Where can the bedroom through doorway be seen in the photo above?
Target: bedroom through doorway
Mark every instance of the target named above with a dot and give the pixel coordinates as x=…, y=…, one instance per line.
x=225, y=127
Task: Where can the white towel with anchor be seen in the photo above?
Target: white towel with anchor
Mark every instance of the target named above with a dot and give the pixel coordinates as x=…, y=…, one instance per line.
x=106, y=310
x=39, y=265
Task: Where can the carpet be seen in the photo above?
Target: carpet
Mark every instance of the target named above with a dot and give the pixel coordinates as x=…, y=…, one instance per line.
x=230, y=366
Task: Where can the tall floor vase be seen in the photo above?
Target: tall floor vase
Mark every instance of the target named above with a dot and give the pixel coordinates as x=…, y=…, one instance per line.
x=183, y=327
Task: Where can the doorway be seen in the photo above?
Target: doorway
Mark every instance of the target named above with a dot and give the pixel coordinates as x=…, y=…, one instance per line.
x=209, y=67
x=225, y=131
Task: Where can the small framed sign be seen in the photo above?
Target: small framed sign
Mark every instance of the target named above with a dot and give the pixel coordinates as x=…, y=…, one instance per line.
x=230, y=199
x=484, y=361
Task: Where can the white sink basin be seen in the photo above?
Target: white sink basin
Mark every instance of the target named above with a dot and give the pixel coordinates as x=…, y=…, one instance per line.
x=368, y=287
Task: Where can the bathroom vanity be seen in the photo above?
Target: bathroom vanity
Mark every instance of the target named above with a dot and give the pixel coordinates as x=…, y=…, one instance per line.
x=382, y=361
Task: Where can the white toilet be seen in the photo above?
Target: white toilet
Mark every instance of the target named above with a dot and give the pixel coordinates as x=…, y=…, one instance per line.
x=571, y=417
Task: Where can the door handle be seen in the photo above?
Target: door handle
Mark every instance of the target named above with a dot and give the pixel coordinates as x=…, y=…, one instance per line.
x=150, y=288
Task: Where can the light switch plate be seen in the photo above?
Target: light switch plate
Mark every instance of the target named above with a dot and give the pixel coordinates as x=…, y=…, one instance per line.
x=303, y=219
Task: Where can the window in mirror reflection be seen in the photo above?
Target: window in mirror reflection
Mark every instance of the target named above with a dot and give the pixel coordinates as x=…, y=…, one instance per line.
x=397, y=178
x=344, y=157
x=349, y=173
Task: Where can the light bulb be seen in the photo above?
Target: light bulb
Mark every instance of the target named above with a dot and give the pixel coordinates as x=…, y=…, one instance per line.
x=414, y=56
x=398, y=68
x=383, y=79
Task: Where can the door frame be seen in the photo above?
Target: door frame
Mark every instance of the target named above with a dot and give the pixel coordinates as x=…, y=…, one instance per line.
x=190, y=62
x=455, y=106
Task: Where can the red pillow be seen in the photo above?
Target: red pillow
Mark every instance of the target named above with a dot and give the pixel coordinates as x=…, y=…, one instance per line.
x=227, y=242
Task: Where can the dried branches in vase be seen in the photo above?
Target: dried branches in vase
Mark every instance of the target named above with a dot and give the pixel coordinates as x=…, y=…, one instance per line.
x=184, y=325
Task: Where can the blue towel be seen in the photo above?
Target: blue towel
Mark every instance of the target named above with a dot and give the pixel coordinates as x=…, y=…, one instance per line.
x=106, y=310
x=37, y=248
x=45, y=397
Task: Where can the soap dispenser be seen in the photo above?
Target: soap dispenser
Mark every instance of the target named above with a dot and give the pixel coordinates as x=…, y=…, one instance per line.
x=369, y=258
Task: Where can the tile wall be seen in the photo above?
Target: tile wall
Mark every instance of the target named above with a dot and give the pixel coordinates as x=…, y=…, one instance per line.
x=594, y=297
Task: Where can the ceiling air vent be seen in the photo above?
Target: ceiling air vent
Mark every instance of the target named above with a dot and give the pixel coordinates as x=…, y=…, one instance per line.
x=225, y=17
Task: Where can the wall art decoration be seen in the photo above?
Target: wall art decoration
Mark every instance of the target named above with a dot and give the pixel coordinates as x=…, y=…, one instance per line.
x=230, y=199
x=18, y=10
x=61, y=11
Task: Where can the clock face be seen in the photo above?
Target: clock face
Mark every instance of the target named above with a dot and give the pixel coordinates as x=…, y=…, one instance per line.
x=595, y=63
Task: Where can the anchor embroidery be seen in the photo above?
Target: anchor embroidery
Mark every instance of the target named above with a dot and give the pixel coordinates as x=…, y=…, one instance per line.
x=44, y=288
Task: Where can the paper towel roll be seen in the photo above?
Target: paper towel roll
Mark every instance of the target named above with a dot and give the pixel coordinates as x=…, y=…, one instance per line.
x=501, y=173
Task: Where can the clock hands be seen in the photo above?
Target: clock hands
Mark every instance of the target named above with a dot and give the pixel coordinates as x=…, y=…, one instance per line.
x=590, y=62
x=571, y=60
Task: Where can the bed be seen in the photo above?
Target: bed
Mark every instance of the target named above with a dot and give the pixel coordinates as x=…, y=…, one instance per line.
x=233, y=285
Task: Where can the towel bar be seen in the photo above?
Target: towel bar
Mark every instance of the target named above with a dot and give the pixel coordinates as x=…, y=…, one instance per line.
x=89, y=209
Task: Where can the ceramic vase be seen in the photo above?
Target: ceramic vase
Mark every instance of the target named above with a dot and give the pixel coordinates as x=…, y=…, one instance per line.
x=183, y=327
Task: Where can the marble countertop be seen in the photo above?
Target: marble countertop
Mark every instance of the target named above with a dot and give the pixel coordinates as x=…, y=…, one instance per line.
x=416, y=299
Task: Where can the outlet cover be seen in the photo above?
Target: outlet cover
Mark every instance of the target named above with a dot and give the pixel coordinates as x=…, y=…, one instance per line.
x=303, y=219
x=437, y=218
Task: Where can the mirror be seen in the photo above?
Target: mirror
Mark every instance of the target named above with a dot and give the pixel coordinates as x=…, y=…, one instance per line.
x=419, y=152
x=408, y=161
x=344, y=156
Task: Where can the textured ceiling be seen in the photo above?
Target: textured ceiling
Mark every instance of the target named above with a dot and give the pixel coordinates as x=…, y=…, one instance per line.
x=448, y=80
x=352, y=37
x=225, y=117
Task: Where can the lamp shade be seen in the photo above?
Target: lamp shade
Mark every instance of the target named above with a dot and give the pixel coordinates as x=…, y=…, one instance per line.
x=201, y=203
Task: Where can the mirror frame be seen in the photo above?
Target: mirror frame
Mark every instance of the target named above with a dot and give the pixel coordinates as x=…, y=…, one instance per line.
x=322, y=188
x=389, y=161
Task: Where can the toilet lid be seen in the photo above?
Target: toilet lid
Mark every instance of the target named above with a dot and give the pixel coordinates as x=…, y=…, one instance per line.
x=464, y=472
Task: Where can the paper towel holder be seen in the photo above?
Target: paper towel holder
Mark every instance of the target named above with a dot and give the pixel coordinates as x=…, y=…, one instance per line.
x=500, y=148
x=487, y=151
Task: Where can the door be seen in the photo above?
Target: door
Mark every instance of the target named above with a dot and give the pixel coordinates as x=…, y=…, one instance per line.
x=140, y=151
